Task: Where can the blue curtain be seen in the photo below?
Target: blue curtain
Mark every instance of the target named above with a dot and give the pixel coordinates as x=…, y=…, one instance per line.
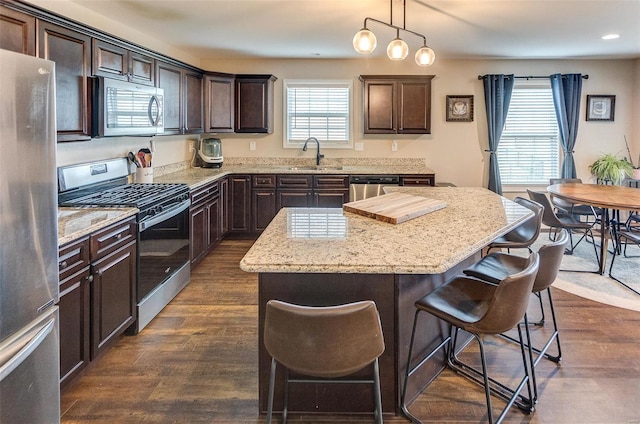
x=497, y=96
x=566, y=91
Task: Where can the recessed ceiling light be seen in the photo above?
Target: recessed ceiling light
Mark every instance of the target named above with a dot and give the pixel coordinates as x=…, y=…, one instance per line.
x=610, y=36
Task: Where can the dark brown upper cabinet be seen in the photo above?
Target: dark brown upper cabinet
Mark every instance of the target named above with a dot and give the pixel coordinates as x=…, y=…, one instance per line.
x=396, y=104
x=219, y=97
x=17, y=31
x=183, y=111
x=254, y=103
x=71, y=51
x=113, y=61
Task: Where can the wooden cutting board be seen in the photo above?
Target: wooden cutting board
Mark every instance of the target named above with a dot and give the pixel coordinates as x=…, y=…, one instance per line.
x=394, y=207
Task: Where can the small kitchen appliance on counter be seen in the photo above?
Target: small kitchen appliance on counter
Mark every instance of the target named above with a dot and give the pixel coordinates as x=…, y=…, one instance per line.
x=210, y=152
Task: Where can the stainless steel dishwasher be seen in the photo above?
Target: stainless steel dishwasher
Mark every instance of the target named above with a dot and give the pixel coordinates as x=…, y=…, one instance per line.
x=366, y=186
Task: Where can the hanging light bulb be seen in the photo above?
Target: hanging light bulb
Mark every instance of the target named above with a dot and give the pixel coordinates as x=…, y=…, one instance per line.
x=364, y=41
x=397, y=48
x=425, y=56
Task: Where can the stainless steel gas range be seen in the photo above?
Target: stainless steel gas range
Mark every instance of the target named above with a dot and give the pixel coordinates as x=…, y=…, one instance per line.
x=163, y=226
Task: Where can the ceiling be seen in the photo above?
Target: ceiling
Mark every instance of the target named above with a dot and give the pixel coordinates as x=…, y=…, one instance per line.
x=455, y=29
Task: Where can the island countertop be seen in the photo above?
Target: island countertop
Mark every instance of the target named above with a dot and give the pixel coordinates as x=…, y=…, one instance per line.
x=304, y=240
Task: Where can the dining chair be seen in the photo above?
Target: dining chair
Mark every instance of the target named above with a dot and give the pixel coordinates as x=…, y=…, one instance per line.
x=624, y=237
x=481, y=309
x=568, y=208
x=567, y=222
x=323, y=344
x=525, y=234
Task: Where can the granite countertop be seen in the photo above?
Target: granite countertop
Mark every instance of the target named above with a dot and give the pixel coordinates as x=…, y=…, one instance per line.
x=196, y=177
x=349, y=243
x=74, y=223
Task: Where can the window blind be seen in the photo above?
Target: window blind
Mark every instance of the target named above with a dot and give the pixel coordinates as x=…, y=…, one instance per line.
x=318, y=110
x=529, y=151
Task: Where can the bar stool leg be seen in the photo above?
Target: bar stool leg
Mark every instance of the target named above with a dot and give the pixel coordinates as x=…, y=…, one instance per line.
x=285, y=408
x=376, y=389
x=272, y=383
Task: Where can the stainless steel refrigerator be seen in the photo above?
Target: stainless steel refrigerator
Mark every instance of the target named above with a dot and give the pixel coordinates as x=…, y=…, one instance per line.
x=29, y=353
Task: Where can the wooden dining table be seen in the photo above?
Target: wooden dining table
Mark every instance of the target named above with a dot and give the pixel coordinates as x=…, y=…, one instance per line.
x=607, y=197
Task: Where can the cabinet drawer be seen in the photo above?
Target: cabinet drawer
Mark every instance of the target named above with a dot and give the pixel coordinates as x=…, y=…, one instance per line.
x=111, y=238
x=202, y=194
x=73, y=257
x=294, y=181
x=330, y=181
x=264, y=181
x=419, y=180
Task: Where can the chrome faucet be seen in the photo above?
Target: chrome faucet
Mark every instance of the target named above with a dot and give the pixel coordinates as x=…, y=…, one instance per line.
x=318, y=155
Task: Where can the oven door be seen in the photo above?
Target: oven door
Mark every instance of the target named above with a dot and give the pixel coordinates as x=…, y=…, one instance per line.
x=163, y=248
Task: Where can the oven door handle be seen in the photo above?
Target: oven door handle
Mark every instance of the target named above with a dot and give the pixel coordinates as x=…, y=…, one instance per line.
x=164, y=215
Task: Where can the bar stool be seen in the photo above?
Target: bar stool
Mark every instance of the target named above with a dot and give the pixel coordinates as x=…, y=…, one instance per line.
x=495, y=267
x=626, y=236
x=525, y=234
x=325, y=343
x=481, y=309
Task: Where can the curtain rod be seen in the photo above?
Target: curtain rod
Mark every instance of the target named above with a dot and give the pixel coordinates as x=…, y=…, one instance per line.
x=528, y=77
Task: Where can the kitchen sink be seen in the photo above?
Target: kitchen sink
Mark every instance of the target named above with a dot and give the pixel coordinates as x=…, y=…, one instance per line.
x=315, y=168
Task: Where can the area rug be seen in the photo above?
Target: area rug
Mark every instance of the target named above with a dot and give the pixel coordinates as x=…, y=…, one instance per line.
x=596, y=287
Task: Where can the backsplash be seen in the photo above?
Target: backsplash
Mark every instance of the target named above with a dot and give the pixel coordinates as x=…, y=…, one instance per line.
x=181, y=166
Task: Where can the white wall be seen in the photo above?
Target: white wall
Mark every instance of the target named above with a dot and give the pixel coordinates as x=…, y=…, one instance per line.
x=455, y=150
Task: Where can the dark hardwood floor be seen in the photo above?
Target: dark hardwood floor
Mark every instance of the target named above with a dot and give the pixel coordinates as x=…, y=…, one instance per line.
x=197, y=362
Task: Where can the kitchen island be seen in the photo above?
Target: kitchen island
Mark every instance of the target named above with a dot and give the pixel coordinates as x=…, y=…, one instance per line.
x=322, y=257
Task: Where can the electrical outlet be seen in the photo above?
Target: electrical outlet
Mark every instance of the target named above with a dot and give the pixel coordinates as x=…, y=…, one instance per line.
x=252, y=145
x=359, y=146
x=394, y=146
x=191, y=146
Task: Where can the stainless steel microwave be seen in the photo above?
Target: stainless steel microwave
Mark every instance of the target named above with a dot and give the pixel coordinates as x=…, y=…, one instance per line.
x=126, y=109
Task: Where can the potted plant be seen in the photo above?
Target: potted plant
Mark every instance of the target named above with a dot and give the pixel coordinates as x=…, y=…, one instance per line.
x=609, y=168
x=635, y=174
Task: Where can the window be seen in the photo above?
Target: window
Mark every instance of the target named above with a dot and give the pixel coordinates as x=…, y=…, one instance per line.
x=529, y=149
x=320, y=109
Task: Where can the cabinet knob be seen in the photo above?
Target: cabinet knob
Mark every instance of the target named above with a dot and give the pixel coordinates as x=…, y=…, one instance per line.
x=119, y=236
x=90, y=278
x=62, y=265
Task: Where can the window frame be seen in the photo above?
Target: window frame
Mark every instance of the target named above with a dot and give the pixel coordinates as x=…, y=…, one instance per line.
x=509, y=186
x=287, y=143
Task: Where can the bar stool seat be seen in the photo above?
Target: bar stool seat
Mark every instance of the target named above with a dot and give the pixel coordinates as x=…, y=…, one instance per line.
x=481, y=309
x=525, y=234
x=325, y=343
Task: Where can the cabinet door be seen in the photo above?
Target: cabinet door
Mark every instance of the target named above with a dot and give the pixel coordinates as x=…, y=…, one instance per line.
x=110, y=61
x=170, y=80
x=72, y=53
x=414, y=107
x=113, y=295
x=193, y=111
x=199, y=233
x=330, y=198
x=379, y=107
x=254, y=104
x=240, y=199
x=213, y=211
x=142, y=68
x=263, y=208
x=219, y=102
x=294, y=199
x=224, y=207
x=74, y=308
x=17, y=32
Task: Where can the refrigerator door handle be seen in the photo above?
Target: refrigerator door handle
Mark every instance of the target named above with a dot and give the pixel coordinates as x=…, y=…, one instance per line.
x=24, y=346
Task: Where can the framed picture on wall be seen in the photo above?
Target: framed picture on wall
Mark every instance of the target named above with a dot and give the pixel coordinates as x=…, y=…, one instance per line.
x=460, y=108
x=601, y=107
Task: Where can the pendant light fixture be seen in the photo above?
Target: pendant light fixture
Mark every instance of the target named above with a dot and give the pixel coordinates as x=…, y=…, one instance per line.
x=365, y=41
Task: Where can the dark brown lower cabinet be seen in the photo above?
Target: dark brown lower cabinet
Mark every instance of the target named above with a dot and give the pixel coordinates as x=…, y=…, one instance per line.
x=74, y=307
x=263, y=204
x=206, y=220
x=113, y=294
x=240, y=204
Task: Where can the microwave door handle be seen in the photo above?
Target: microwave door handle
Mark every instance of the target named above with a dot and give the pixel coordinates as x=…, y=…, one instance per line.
x=152, y=119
